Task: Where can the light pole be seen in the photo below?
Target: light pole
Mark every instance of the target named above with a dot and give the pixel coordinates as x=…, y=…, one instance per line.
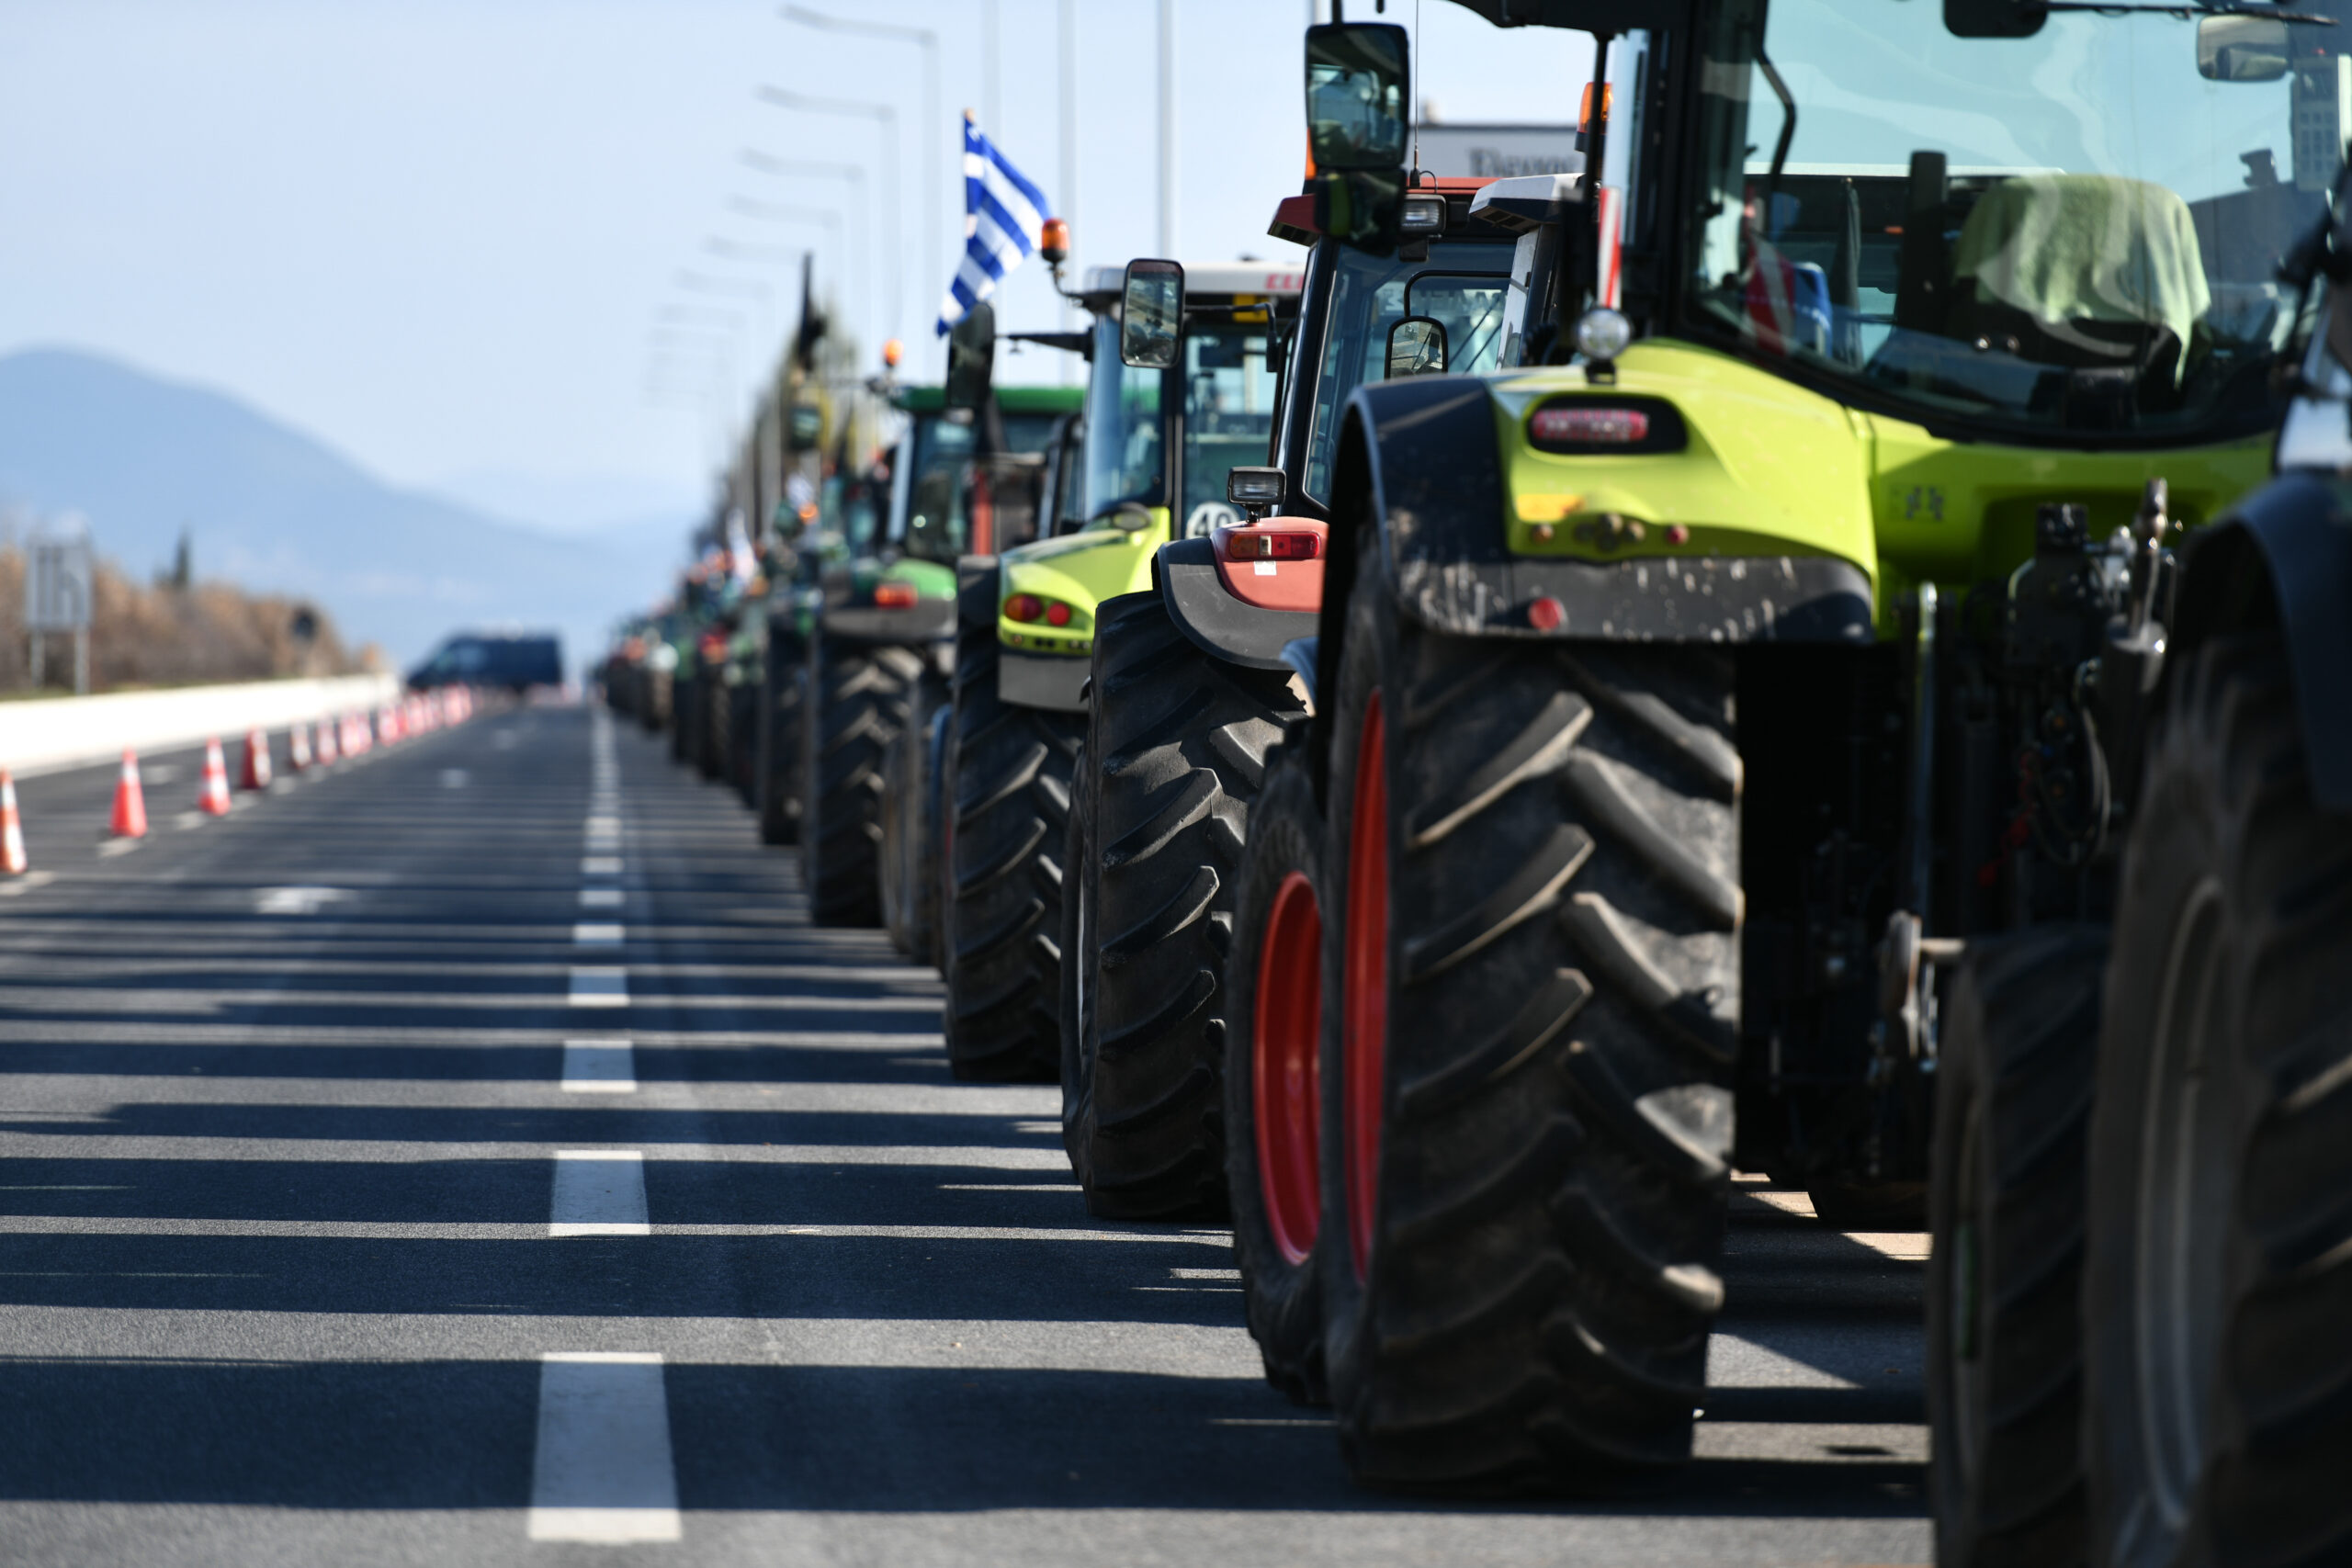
x=851, y=255
x=1069, y=96
x=732, y=289
x=861, y=243
x=887, y=117
x=928, y=41
x=1168, y=127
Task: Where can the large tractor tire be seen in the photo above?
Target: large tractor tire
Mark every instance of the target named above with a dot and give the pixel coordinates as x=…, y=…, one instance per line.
x=743, y=743
x=686, y=718
x=1272, y=1041
x=2218, y=1386
x=909, y=882
x=2013, y=1101
x=718, y=729
x=1007, y=806
x=660, y=686
x=778, y=767
x=1532, y=938
x=857, y=698
x=1176, y=750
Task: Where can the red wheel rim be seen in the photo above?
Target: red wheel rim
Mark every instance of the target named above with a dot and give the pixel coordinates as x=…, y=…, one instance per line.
x=1285, y=1079
x=1363, y=1016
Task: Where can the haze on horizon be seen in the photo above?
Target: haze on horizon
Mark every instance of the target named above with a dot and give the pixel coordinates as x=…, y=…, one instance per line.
x=442, y=237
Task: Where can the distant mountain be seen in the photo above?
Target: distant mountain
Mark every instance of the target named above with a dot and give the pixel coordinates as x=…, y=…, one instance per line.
x=269, y=507
x=581, y=504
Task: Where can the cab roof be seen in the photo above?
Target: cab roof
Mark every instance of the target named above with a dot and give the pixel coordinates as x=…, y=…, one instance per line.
x=1209, y=279
x=1295, y=217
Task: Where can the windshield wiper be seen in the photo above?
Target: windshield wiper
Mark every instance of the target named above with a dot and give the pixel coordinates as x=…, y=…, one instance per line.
x=2182, y=13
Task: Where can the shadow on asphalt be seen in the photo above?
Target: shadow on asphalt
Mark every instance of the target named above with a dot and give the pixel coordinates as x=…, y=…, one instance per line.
x=458, y=1434
x=440, y=1434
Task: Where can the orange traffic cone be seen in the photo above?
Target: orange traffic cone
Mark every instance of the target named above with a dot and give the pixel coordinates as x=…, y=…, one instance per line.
x=298, y=748
x=212, y=795
x=326, y=752
x=129, y=800
x=256, y=773
x=12, y=832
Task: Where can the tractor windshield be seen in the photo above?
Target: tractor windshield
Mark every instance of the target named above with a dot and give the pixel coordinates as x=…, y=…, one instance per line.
x=1228, y=383
x=930, y=458
x=2071, y=237
x=1461, y=284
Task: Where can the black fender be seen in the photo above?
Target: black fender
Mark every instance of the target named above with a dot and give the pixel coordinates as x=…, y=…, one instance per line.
x=2282, y=557
x=1217, y=622
x=1421, y=458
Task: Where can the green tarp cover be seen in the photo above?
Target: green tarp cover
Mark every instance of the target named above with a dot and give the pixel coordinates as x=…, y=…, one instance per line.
x=2069, y=248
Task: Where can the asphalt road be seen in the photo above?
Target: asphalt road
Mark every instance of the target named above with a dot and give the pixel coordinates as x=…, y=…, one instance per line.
x=472, y=1155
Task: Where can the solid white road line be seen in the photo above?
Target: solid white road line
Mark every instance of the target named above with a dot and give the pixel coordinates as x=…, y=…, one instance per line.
x=595, y=986
x=598, y=1192
x=599, y=866
x=600, y=897
x=602, y=1473
x=589, y=933
x=599, y=1067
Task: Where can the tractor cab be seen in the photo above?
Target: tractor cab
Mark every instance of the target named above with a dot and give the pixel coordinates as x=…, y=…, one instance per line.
x=1161, y=436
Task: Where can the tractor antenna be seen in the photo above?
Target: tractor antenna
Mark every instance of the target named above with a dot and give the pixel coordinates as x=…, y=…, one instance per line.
x=1413, y=101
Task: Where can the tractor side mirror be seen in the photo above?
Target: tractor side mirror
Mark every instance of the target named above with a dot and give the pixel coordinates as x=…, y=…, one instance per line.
x=971, y=357
x=1151, y=313
x=1357, y=76
x=1356, y=79
x=1416, y=347
x=2241, y=48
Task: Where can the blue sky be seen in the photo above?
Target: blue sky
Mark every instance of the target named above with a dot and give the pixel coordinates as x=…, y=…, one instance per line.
x=443, y=234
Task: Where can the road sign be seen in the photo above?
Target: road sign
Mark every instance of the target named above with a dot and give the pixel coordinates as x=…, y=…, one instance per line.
x=57, y=591
x=57, y=580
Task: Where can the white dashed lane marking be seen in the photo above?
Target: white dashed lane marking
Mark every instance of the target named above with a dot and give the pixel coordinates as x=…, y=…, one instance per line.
x=600, y=897
x=589, y=933
x=600, y=865
x=599, y=985
x=599, y=1067
x=603, y=1472
x=598, y=1192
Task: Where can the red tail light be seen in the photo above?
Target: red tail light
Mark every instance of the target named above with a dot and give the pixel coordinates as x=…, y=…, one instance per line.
x=1023, y=607
x=1294, y=546
x=1057, y=613
x=1596, y=426
x=894, y=596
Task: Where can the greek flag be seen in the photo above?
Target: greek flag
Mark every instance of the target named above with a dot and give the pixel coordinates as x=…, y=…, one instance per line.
x=1003, y=214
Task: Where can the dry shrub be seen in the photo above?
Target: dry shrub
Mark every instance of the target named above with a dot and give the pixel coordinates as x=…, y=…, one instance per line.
x=163, y=635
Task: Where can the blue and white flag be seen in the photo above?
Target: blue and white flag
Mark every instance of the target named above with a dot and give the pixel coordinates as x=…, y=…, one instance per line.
x=1003, y=214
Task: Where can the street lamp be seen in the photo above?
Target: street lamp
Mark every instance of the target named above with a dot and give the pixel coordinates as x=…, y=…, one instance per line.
x=888, y=119
x=778, y=212
x=928, y=41
x=861, y=246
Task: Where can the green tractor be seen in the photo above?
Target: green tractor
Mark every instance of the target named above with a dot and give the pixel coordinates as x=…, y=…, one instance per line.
x=876, y=634
x=1008, y=497
x=1690, y=692
x=1191, y=690
x=1160, y=439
